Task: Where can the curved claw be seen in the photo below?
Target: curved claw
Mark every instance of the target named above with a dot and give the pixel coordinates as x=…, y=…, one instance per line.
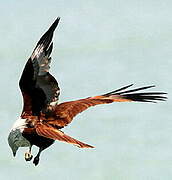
x=28, y=156
x=36, y=160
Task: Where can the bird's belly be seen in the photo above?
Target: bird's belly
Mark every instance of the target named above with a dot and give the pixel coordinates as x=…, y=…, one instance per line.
x=39, y=141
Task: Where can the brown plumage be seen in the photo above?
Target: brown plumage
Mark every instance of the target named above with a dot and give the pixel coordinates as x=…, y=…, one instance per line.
x=49, y=123
x=62, y=114
x=42, y=117
x=49, y=131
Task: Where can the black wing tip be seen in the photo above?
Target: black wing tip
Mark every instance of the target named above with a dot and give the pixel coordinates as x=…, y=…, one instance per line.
x=46, y=38
x=146, y=97
x=51, y=29
x=118, y=90
x=136, y=89
x=55, y=23
x=133, y=95
x=58, y=18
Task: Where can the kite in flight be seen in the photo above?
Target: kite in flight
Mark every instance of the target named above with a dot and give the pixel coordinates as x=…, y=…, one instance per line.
x=42, y=118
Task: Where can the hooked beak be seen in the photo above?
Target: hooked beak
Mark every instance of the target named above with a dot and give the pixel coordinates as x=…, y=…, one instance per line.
x=14, y=150
x=14, y=154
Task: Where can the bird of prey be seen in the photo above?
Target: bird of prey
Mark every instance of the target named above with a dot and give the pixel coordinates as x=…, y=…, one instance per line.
x=42, y=118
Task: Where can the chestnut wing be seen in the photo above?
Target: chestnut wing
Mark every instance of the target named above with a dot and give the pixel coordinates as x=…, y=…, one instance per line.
x=53, y=133
x=65, y=112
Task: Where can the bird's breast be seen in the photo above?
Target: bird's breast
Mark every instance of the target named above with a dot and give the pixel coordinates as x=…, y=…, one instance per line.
x=20, y=124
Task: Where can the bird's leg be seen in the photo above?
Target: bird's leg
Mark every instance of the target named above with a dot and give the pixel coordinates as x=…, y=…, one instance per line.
x=36, y=159
x=28, y=156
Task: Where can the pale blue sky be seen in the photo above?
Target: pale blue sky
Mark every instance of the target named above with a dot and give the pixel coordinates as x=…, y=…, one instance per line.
x=99, y=46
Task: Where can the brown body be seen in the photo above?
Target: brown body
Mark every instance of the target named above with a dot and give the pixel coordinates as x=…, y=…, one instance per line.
x=43, y=116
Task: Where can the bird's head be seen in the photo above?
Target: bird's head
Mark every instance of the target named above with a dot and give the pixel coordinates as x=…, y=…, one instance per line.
x=15, y=138
x=12, y=139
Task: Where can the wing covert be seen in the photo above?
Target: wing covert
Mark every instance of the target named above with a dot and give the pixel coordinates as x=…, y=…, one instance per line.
x=65, y=112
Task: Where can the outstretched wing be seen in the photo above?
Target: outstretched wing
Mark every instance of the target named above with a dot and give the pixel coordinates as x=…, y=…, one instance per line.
x=39, y=88
x=65, y=112
x=53, y=133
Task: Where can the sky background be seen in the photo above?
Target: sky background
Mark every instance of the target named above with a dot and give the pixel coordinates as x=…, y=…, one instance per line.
x=99, y=46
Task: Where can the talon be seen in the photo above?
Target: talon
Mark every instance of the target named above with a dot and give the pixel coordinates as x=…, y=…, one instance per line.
x=28, y=156
x=36, y=161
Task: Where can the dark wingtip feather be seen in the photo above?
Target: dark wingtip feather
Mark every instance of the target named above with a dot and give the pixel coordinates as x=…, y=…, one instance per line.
x=54, y=25
x=137, y=89
x=118, y=90
x=46, y=39
x=141, y=97
x=150, y=97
